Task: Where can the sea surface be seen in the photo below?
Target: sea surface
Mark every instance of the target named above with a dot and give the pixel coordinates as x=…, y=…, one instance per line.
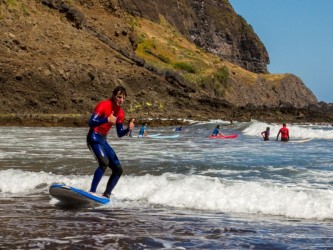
x=189, y=192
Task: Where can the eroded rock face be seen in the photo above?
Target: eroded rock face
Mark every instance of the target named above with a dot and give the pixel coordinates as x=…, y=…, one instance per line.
x=289, y=91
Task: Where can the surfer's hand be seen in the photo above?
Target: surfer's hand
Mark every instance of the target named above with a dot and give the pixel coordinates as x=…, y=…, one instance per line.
x=112, y=119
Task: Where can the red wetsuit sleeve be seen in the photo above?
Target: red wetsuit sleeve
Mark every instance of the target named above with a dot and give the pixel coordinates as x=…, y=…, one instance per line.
x=99, y=120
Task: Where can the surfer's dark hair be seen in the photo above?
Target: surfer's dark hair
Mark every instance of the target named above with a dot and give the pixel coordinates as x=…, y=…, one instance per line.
x=120, y=89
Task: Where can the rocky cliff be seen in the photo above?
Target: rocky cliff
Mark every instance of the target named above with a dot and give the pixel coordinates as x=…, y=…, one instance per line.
x=176, y=58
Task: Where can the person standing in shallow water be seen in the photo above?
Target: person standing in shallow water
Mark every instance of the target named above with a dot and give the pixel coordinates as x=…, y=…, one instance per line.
x=143, y=131
x=265, y=134
x=284, y=131
x=106, y=114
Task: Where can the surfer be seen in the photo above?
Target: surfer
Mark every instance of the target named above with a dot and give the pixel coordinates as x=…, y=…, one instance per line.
x=217, y=131
x=179, y=129
x=106, y=114
x=143, y=131
x=284, y=131
x=265, y=134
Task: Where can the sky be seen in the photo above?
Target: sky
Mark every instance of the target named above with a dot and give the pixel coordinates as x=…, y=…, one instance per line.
x=298, y=36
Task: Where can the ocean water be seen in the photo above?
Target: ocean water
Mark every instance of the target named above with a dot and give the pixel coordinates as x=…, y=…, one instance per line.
x=189, y=192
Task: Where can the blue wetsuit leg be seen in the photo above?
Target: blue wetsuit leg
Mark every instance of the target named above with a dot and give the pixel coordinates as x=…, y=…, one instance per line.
x=106, y=157
x=116, y=168
x=95, y=144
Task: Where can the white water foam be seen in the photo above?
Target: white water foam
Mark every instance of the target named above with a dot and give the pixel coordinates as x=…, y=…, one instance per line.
x=296, y=131
x=189, y=192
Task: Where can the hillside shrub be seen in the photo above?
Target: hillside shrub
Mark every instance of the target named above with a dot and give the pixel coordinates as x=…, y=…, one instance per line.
x=185, y=66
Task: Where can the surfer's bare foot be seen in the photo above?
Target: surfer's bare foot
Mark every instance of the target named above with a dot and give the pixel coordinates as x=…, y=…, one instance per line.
x=106, y=195
x=99, y=195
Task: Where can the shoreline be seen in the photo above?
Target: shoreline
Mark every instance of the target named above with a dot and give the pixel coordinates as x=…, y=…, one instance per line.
x=81, y=120
x=73, y=120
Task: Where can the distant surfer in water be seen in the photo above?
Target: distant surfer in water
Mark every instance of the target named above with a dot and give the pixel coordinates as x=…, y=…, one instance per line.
x=179, y=129
x=106, y=114
x=143, y=131
x=284, y=131
x=217, y=131
x=265, y=134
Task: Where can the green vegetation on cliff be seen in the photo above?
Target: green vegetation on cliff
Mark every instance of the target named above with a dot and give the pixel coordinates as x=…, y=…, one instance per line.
x=164, y=47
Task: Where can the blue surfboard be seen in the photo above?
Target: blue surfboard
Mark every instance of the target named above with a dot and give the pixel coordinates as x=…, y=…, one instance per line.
x=74, y=197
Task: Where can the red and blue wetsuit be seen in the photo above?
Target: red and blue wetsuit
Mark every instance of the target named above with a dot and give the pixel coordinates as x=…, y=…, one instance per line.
x=97, y=143
x=284, y=134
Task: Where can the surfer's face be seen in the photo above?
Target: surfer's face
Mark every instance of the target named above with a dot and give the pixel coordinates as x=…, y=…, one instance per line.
x=119, y=99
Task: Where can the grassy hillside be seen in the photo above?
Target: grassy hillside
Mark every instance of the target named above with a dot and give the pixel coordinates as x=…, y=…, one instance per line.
x=164, y=47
